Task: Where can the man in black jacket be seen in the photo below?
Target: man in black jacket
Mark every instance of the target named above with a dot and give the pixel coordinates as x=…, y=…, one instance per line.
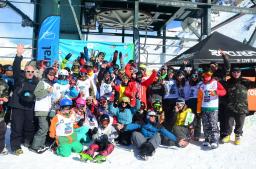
x=22, y=104
x=237, y=104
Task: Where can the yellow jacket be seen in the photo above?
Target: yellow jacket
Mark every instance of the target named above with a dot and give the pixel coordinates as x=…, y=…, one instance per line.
x=181, y=117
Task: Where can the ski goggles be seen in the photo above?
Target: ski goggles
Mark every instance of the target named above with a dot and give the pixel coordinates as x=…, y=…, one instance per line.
x=103, y=101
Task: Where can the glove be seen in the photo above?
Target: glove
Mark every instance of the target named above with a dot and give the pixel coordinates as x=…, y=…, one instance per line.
x=80, y=123
x=94, y=130
x=68, y=56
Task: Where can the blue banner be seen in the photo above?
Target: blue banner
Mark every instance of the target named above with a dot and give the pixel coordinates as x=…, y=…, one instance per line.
x=76, y=46
x=48, y=40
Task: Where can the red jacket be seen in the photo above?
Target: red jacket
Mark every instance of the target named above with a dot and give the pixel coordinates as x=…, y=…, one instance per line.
x=139, y=90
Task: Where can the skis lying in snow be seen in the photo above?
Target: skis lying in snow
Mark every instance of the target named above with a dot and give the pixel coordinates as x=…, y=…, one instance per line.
x=169, y=147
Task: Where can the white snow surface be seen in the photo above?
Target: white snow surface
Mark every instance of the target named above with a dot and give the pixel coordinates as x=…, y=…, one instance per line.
x=227, y=156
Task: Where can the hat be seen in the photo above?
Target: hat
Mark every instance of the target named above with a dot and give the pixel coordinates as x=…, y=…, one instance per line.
x=151, y=113
x=180, y=100
x=235, y=69
x=8, y=68
x=207, y=70
x=142, y=66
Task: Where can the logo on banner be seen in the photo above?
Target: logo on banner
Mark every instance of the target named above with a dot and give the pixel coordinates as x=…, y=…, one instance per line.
x=233, y=53
x=49, y=35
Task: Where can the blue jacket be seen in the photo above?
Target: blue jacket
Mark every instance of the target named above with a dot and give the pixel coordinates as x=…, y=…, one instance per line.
x=149, y=130
x=123, y=117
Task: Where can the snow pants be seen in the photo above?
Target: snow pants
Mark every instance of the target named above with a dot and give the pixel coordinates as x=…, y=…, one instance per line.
x=81, y=133
x=239, y=121
x=22, y=127
x=68, y=144
x=210, y=125
x=40, y=136
x=138, y=139
x=95, y=148
x=2, y=135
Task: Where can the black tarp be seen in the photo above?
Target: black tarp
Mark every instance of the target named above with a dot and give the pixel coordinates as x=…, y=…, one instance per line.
x=207, y=51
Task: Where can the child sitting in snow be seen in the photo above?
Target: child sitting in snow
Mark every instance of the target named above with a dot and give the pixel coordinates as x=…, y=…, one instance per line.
x=103, y=139
x=62, y=130
x=81, y=128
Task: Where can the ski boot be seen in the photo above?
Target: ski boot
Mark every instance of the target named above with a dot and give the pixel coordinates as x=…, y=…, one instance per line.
x=226, y=139
x=206, y=143
x=237, y=140
x=85, y=157
x=99, y=159
x=4, y=151
x=143, y=157
x=18, y=152
x=214, y=145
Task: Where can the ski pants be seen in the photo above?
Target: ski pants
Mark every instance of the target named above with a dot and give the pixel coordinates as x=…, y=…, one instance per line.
x=95, y=148
x=210, y=125
x=239, y=121
x=40, y=136
x=2, y=135
x=22, y=127
x=138, y=139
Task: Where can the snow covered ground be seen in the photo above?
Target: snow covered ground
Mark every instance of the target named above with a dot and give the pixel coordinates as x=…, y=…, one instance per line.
x=227, y=156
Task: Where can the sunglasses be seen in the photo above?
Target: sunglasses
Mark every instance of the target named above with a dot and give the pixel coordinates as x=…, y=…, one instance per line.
x=124, y=102
x=27, y=71
x=152, y=116
x=83, y=74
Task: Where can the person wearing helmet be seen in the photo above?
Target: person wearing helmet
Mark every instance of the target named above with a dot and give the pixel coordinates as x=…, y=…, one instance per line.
x=61, y=87
x=43, y=93
x=22, y=104
x=75, y=69
x=157, y=107
x=81, y=127
x=103, y=139
x=62, y=130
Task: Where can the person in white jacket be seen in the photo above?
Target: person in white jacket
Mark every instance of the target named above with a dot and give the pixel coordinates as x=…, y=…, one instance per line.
x=43, y=93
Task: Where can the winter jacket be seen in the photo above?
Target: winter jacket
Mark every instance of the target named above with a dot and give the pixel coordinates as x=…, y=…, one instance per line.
x=208, y=95
x=182, y=116
x=21, y=84
x=155, y=91
x=123, y=116
x=136, y=90
x=237, y=95
x=149, y=130
x=43, y=102
x=3, y=93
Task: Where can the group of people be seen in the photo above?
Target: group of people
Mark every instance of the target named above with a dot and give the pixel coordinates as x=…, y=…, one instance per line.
x=102, y=104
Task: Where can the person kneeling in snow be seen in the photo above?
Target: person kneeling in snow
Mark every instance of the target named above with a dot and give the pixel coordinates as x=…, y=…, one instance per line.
x=148, y=139
x=103, y=139
x=62, y=130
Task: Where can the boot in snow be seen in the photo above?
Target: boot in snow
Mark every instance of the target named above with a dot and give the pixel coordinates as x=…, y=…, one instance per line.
x=99, y=159
x=85, y=157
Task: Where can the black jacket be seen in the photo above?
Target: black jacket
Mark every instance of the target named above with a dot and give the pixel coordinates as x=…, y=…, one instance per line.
x=21, y=84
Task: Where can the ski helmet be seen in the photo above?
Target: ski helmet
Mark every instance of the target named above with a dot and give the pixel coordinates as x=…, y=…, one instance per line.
x=80, y=101
x=65, y=102
x=125, y=99
x=63, y=72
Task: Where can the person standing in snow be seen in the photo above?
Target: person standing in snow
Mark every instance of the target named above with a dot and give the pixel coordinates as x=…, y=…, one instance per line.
x=43, y=93
x=208, y=104
x=237, y=104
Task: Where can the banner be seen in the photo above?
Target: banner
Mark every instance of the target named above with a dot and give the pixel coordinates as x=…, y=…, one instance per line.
x=251, y=99
x=77, y=46
x=48, y=40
